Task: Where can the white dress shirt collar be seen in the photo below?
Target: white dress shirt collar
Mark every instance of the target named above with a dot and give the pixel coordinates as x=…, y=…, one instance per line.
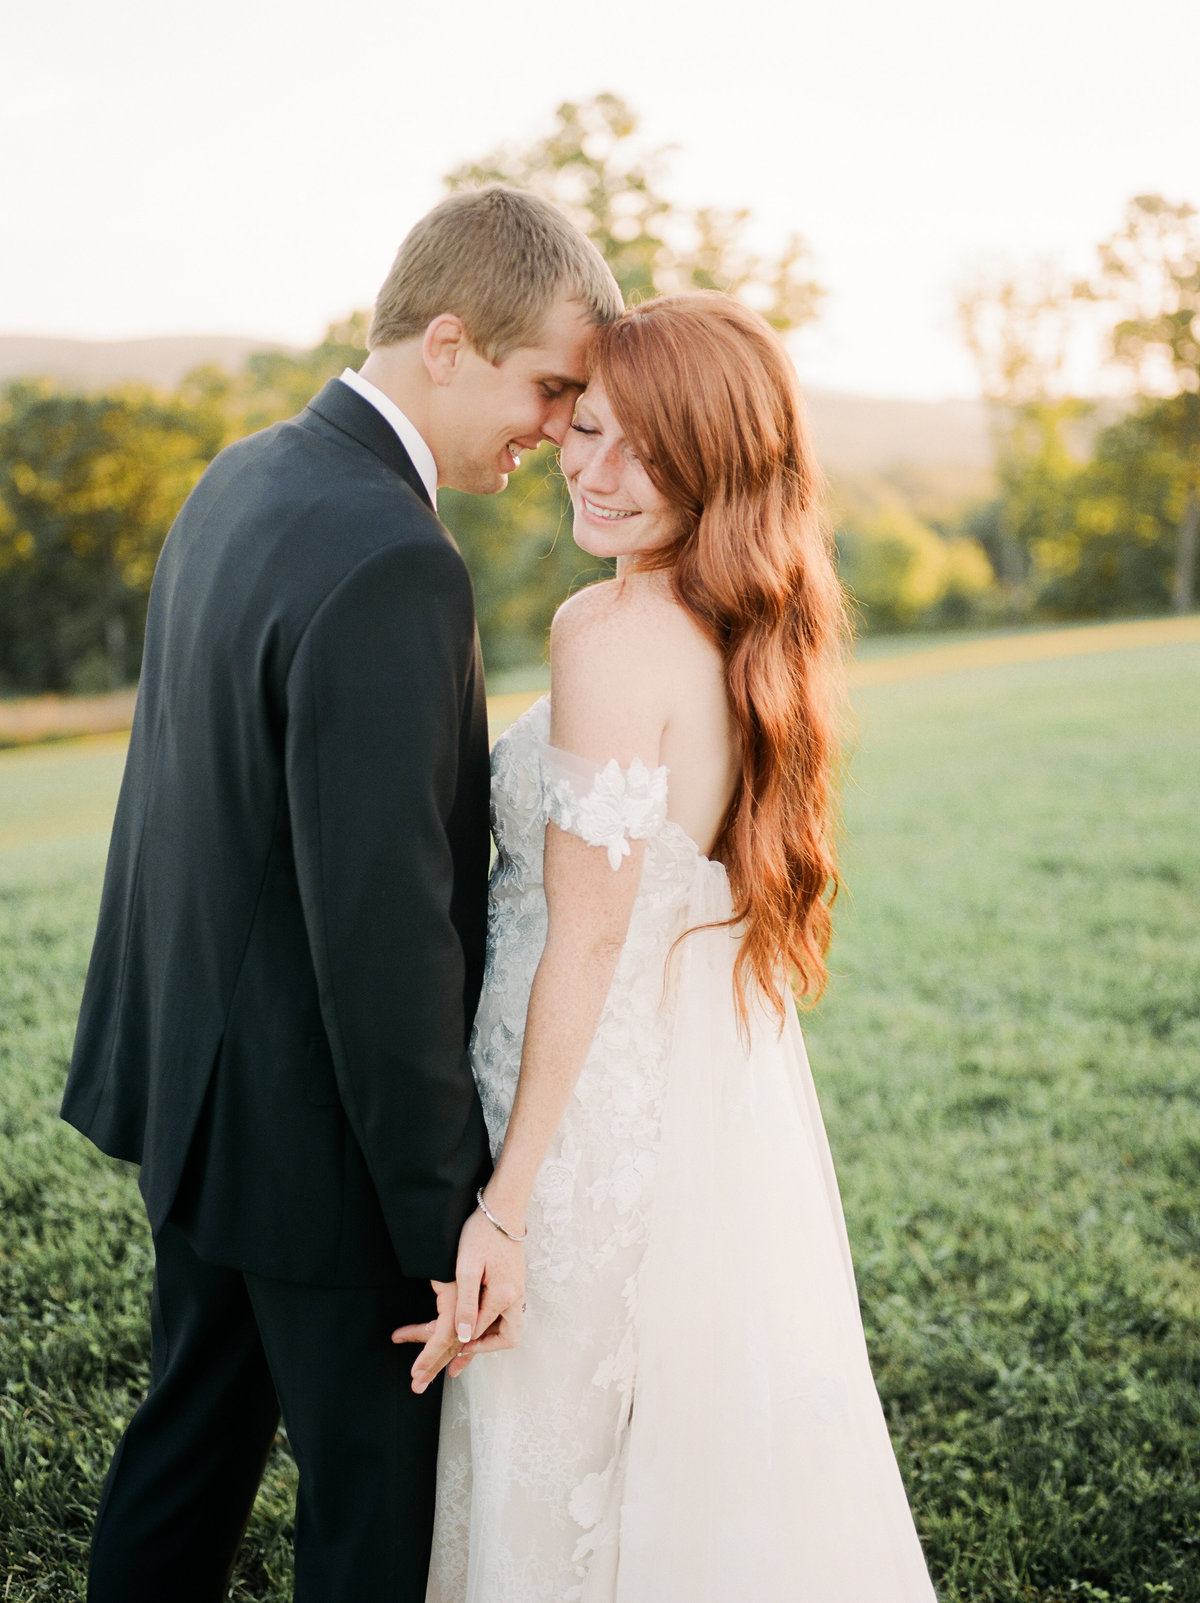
x=410, y=439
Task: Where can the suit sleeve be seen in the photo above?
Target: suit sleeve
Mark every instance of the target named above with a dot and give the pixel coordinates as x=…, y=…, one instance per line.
x=376, y=699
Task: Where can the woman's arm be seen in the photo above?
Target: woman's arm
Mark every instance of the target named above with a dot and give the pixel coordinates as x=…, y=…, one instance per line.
x=607, y=703
x=589, y=907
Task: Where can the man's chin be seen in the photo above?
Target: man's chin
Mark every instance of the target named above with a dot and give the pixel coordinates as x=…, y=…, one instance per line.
x=478, y=483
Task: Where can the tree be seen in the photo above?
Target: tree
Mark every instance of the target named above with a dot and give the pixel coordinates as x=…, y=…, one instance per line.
x=89, y=485
x=901, y=573
x=593, y=166
x=1150, y=272
x=1016, y=327
x=1109, y=546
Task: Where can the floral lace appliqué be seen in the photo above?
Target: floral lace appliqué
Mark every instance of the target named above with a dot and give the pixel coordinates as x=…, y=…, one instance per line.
x=610, y=806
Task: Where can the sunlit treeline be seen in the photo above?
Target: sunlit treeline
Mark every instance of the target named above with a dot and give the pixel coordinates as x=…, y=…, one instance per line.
x=1092, y=510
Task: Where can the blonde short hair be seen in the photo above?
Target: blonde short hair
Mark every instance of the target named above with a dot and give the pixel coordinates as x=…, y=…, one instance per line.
x=497, y=258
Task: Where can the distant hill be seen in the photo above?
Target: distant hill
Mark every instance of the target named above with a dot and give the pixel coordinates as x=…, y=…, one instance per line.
x=91, y=364
x=869, y=433
x=855, y=434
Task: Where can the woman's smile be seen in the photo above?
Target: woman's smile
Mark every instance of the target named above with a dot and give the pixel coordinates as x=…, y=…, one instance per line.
x=594, y=510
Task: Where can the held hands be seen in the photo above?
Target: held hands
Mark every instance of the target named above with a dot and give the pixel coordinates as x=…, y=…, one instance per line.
x=479, y=1311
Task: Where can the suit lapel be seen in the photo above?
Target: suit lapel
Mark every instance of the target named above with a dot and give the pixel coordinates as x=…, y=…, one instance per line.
x=347, y=411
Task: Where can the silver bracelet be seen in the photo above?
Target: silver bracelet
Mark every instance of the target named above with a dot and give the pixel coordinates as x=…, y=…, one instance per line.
x=494, y=1222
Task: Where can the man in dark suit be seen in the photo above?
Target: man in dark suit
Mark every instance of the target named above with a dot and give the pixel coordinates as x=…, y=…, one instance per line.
x=291, y=934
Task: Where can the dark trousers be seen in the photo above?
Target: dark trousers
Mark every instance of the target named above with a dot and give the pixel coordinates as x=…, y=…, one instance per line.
x=228, y=1350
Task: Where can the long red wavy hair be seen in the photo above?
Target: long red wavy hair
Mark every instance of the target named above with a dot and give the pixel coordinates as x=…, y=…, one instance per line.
x=706, y=394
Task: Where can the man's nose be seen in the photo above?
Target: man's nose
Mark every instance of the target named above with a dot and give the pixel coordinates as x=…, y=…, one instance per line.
x=557, y=419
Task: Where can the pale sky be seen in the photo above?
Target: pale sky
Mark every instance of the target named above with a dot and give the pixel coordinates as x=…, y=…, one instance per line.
x=249, y=166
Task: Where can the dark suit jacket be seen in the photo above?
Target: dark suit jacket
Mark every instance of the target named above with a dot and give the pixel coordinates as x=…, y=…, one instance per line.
x=291, y=935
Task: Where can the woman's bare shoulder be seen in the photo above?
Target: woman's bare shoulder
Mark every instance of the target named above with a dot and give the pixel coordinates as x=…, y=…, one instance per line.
x=611, y=662
x=588, y=612
x=639, y=617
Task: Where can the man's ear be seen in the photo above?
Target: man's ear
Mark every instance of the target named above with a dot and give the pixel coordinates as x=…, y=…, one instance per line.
x=444, y=346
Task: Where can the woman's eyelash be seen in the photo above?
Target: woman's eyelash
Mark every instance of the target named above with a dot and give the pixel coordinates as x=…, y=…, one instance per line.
x=580, y=428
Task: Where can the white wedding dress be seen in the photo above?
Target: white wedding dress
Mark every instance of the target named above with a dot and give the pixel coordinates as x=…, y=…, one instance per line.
x=690, y=1416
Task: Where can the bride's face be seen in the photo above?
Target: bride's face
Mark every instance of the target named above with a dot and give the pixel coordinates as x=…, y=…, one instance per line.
x=618, y=511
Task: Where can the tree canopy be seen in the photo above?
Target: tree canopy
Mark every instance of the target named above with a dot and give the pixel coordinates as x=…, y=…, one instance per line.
x=595, y=167
x=1149, y=272
x=89, y=485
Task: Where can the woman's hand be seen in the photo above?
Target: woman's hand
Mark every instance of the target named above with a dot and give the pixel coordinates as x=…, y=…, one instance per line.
x=481, y=1310
x=490, y=1279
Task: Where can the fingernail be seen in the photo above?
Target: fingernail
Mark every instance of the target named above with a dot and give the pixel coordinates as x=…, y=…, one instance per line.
x=464, y=1333
x=418, y=1386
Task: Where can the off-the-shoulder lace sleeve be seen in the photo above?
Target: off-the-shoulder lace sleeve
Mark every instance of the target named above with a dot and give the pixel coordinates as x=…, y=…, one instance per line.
x=604, y=804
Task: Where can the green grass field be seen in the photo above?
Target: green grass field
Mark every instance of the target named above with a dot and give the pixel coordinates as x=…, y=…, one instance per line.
x=1009, y=1062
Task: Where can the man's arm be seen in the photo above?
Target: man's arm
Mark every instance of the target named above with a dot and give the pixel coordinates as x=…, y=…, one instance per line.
x=376, y=695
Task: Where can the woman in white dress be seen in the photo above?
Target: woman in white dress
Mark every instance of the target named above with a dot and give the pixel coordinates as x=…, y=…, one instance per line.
x=689, y=1416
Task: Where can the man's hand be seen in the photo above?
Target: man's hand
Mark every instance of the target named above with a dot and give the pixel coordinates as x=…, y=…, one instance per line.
x=439, y=1343
x=480, y=1311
